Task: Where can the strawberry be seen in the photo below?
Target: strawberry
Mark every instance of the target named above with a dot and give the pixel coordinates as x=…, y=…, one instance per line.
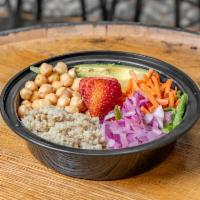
x=100, y=94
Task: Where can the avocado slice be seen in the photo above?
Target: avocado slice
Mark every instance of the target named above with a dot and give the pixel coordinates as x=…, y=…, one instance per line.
x=120, y=72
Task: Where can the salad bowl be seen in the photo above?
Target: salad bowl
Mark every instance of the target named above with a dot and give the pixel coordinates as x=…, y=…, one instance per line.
x=102, y=164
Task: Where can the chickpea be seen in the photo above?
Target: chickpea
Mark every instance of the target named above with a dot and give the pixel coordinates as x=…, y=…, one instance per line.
x=77, y=101
x=40, y=80
x=35, y=104
x=31, y=85
x=63, y=101
x=22, y=111
x=76, y=94
x=34, y=96
x=44, y=90
x=75, y=85
x=40, y=103
x=70, y=90
x=26, y=103
x=25, y=93
x=56, y=85
x=60, y=68
x=71, y=109
x=46, y=69
x=52, y=98
x=72, y=72
x=53, y=77
x=66, y=80
x=63, y=91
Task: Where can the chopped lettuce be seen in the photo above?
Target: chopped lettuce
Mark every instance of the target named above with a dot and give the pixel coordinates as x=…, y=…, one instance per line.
x=180, y=110
x=168, y=128
x=178, y=94
x=35, y=69
x=177, y=114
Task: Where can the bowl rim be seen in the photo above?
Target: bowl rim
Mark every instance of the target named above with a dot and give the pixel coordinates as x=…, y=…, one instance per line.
x=165, y=140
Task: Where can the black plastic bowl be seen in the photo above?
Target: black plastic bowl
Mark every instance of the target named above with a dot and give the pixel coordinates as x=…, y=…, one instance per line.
x=101, y=164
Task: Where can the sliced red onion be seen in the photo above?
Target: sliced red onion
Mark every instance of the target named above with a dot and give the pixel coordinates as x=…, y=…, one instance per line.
x=134, y=128
x=130, y=113
x=143, y=102
x=168, y=117
x=148, y=118
x=159, y=115
x=110, y=115
x=160, y=122
x=159, y=112
x=124, y=141
x=111, y=143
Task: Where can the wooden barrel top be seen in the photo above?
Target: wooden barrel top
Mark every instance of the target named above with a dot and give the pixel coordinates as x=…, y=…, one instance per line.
x=23, y=177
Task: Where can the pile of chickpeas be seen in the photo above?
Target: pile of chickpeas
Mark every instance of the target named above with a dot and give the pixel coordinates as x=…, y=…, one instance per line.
x=56, y=86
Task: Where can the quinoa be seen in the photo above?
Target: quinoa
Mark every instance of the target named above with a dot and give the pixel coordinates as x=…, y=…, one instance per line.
x=58, y=126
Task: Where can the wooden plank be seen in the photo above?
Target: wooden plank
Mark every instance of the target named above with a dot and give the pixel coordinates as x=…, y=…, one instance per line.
x=23, y=177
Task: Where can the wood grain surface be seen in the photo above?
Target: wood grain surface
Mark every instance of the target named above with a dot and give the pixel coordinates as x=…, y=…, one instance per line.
x=23, y=177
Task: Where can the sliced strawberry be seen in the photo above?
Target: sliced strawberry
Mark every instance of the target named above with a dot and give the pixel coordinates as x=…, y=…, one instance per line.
x=100, y=94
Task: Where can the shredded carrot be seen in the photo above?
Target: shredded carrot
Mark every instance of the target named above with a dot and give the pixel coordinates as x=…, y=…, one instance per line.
x=150, y=83
x=156, y=75
x=148, y=94
x=152, y=108
x=168, y=85
x=162, y=87
x=153, y=92
x=176, y=103
x=145, y=78
x=144, y=110
x=162, y=102
x=146, y=89
x=157, y=87
x=174, y=93
x=171, y=99
x=165, y=95
x=139, y=82
x=157, y=92
x=150, y=72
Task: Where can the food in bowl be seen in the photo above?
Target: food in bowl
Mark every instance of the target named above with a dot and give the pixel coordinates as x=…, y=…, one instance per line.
x=100, y=106
x=56, y=86
x=69, y=129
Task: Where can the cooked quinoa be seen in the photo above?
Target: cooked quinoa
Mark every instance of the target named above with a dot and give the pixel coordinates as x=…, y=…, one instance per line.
x=58, y=126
